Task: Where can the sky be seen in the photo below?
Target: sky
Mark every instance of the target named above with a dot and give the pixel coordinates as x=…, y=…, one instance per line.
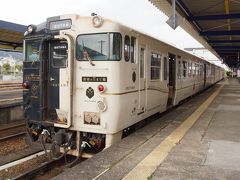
x=137, y=14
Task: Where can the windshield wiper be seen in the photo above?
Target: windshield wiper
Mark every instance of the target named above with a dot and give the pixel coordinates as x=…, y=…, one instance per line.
x=86, y=55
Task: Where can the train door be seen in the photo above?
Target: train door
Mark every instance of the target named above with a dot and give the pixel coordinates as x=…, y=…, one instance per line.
x=205, y=74
x=57, y=62
x=172, y=78
x=142, y=80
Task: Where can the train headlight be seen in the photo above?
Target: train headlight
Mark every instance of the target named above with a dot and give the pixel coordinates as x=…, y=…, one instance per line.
x=101, y=106
x=97, y=21
x=87, y=118
x=95, y=119
x=31, y=28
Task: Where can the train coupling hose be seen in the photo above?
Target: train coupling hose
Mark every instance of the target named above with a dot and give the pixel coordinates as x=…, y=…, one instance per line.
x=45, y=132
x=25, y=110
x=84, y=144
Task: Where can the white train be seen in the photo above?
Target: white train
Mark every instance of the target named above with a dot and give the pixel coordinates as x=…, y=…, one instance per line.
x=87, y=79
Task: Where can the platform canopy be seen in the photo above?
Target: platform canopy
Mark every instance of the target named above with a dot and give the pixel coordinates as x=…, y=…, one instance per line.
x=11, y=35
x=215, y=24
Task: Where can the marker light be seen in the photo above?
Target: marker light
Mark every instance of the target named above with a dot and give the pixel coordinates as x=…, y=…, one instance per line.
x=25, y=85
x=97, y=21
x=31, y=28
x=101, y=88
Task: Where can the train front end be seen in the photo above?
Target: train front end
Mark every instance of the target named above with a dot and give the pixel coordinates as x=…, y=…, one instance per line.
x=66, y=82
x=48, y=83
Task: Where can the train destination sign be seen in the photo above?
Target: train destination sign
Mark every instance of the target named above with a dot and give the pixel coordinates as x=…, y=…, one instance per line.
x=60, y=25
x=94, y=79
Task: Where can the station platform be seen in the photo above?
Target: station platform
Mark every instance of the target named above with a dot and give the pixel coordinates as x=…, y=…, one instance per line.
x=10, y=105
x=199, y=139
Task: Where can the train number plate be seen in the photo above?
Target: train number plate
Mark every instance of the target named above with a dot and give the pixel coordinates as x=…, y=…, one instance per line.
x=32, y=78
x=94, y=79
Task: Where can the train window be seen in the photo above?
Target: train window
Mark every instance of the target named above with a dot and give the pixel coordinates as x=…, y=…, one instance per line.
x=189, y=69
x=165, y=73
x=155, y=66
x=201, y=69
x=142, y=63
x=126, y=48
x=179, y=69
x=59, y=54
x=196, y=69
x=133, y=50
x=32, y=50
x=206, y=72
x=193, y=69
x=99, y=47
x=115, y=46
x=184, y=68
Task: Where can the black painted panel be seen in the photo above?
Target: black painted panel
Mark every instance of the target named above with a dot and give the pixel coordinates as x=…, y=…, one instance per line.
x=58, y=58
x=31, y=96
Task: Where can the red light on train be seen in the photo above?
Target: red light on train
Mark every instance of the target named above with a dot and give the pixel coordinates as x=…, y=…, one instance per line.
x=101, y=88
x=25, y=85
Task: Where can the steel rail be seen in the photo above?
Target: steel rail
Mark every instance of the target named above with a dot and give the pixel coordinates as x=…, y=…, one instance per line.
x=12, y=136
x=12, y=127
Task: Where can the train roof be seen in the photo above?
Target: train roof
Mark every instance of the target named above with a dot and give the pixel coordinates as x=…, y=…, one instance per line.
x=122, y=25
x=158, y=39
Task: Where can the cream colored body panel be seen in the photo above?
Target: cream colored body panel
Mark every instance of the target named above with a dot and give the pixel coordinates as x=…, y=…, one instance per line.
x=122, y=94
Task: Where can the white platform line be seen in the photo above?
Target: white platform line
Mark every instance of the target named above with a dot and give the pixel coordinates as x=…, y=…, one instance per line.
x=14, y=163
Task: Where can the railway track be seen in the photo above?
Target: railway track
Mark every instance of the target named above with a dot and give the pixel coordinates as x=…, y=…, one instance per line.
x=50, y=166
x=11, y=132
x=34, y=167
x=44, y=167
x=10, y=86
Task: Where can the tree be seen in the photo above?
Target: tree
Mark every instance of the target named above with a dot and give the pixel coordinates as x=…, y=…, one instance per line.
x=19, y=68
x=6, y=68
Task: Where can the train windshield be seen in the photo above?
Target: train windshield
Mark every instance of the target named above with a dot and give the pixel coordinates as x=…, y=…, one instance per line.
x=32, y=50
x=99, y=47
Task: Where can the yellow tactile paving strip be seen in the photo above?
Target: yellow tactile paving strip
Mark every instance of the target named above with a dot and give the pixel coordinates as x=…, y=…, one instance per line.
x=148, y=165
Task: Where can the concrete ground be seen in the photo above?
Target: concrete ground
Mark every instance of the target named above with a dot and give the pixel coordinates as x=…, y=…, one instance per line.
x=209, y=150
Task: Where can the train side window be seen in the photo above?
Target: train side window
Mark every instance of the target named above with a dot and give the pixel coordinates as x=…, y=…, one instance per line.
x=184, y=68
x=179, y=69
x=115, y=45
x=133, y=50
x=189, y=69
x=165, y=69
x=206, y=70
x=126, y=48
x=200, y=69
x=155, y=66
x=196, y=69
x=193, y=69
